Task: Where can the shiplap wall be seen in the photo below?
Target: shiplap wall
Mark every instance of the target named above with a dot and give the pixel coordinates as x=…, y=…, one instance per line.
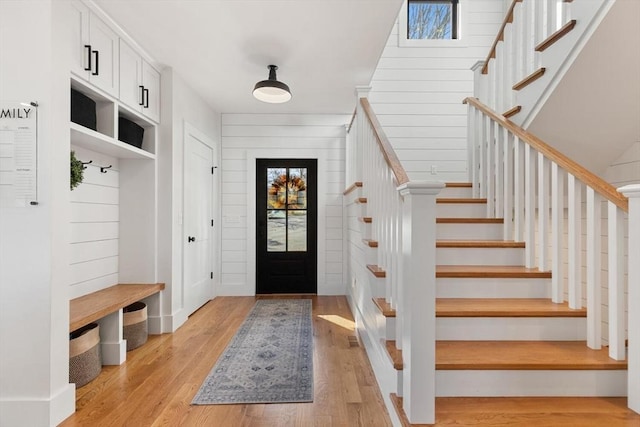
x=94, y=228
x=249, y=136
x=417, y=94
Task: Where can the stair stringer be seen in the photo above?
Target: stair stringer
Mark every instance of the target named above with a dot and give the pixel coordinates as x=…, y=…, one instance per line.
x=362, y=287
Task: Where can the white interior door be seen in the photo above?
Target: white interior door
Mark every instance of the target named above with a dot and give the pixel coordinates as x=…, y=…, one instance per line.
x=198, y=220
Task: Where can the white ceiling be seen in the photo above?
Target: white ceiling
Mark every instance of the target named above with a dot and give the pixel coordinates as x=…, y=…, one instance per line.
x=221, y=48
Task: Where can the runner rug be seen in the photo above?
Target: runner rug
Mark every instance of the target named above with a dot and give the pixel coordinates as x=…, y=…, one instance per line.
x=269, y=360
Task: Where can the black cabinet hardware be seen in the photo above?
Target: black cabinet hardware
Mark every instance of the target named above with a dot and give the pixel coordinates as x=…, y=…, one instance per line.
x=146, y=97
x=88, y=67
x=141, y=95
x=191, y=239
x=97, y=72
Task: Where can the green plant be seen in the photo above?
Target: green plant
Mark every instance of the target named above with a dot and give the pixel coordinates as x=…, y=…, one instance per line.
x=77, y=171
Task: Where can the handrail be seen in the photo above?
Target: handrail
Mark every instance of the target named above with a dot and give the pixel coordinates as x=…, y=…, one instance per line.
x=353, y=119
x=387, y=150
x=599, y=185
x=500, y=36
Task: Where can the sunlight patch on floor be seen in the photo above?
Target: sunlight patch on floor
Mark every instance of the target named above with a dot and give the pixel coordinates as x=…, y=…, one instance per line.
x=339, y=320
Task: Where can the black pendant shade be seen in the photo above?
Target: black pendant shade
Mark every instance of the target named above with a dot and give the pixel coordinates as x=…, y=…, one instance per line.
x=272, y=90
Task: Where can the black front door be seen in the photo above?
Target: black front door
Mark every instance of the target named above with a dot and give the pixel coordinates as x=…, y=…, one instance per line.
x=286, y=220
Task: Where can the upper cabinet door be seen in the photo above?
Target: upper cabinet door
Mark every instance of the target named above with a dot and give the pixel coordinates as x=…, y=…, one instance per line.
x=104, y=56
x=79, y=23
x=151, y=83
x=131, y=90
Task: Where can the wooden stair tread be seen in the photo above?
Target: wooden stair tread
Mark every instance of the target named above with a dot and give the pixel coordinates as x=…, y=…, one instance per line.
x=370, y=242
x=490, y=271
x=527, y=411
x=376, y=270
x=479, y=244
x=529, y=79
x=395, y=354
x=352, y=187
x=504, y=307
x=365, y=219
x=469, y=221
x=565, y=29
x=461, y=200
x=512, y=111
x=384, y=307
x=361, y=200
x=525, y=355
x=458, y=185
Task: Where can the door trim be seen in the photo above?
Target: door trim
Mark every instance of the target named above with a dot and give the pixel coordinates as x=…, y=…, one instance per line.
x=320, y=155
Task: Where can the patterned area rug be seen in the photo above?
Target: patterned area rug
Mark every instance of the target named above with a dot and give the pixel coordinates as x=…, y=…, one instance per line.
x=269, y=360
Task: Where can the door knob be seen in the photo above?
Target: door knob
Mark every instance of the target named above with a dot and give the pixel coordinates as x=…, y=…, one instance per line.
x=191, y=239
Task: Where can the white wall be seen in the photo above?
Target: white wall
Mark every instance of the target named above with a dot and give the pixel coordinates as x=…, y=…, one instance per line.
x=180, y=104
x=95, y=227
x=246, y=137
x=34, y=250
x=417, y=93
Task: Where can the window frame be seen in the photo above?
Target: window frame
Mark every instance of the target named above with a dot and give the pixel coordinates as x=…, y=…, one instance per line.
x=403, y=29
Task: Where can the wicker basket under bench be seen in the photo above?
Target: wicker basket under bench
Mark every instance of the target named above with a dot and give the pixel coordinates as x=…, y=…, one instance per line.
x=104, y=307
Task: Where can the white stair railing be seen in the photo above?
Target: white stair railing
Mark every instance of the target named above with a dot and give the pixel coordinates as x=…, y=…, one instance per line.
x=403, y=224
x=544, y=247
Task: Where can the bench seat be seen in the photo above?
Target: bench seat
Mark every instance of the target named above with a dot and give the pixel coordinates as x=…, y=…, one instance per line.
x=96, y=305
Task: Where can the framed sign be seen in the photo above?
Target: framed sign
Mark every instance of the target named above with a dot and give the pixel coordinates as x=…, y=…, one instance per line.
x=18, y=154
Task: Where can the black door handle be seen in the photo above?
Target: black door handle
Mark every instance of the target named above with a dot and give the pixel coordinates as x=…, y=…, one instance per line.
x=191, y=239
x=88, y=67
x=146, y=102
x=141, y=95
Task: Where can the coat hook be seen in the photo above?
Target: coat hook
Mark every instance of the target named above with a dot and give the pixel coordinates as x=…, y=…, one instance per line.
x=86, y=163
x=103, y=169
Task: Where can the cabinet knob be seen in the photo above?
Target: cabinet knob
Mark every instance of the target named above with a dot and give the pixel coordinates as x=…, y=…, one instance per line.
x=191, y=239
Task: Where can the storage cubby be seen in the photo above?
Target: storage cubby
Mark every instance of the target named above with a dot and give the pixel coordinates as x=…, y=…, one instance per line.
x=105, y=138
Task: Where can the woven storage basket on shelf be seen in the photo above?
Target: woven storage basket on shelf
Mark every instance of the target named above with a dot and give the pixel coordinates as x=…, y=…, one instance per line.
x=85, y=358
x=135, y=329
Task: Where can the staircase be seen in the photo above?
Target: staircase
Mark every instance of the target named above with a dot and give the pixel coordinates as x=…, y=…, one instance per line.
x=461, y=291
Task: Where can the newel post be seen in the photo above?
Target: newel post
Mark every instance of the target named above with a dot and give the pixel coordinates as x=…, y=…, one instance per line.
x=419, y=299
x=633, y=357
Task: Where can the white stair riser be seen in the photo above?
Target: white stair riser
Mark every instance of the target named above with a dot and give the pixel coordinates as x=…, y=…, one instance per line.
x=492, y=288
x=469, y=231
x=461, y=210
x=387, y=327
x=511, y=329
x=370, y=254
x=494, y=383
x=365, y=230
x=378, y=285
x=480, y=256
x=456, y=192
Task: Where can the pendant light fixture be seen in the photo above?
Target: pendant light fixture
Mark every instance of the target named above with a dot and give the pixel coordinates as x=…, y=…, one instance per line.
x=272, y=90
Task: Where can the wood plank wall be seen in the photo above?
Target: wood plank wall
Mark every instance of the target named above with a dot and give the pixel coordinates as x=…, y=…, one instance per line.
x=417, y=93
x=94, y=225
x=300, y=135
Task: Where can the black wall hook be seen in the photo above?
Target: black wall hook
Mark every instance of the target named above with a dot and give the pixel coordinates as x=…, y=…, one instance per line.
x=86, y=163
x=103, y=169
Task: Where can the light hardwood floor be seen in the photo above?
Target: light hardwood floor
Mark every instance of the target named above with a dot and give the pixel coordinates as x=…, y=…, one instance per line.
x=156, y=384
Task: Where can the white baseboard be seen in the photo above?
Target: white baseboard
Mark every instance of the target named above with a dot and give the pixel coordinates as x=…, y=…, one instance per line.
x=39, y=411
x=172, y=322
x=240, y=290
x=334, y=289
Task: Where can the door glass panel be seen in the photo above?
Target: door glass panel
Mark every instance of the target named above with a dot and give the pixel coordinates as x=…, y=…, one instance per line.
x=276, y=231
x=276, y=188
x=286, y=209
x=297, y=231
x=297, y=188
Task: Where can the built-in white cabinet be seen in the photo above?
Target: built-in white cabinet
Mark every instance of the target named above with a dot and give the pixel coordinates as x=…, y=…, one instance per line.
x=95, y=49
x=139, y=83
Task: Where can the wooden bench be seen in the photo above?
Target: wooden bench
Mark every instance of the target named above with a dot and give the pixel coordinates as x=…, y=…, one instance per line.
x=105, y=307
